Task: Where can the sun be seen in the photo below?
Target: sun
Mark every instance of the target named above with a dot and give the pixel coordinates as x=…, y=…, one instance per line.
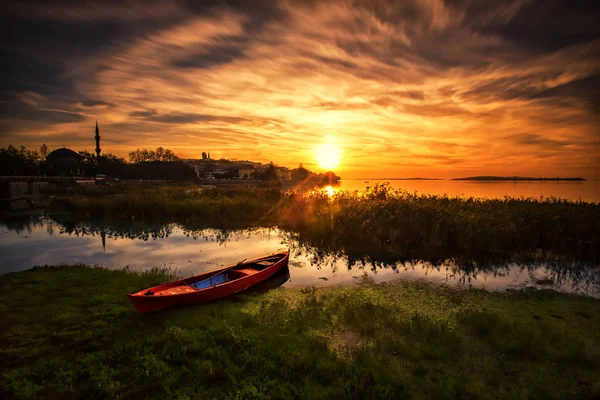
x=328, y=156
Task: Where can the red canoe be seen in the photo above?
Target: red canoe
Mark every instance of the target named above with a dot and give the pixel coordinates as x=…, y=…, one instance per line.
x=210, y=285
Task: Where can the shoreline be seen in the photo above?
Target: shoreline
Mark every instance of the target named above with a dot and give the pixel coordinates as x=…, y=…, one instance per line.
x=400, y=339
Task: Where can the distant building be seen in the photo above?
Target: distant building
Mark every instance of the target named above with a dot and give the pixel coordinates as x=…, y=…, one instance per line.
x=246, y=173
x=245, y=170
x=64, y=162
x=97, y=137
x=284, y=174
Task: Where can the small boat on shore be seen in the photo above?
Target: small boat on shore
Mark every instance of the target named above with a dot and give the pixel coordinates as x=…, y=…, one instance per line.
x=209, y=286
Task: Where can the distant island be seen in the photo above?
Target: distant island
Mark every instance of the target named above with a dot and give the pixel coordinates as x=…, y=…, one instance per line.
x=399, y=179
x=514, y=178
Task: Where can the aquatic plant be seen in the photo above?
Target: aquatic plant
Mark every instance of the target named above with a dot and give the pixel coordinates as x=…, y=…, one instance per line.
x=383, y=224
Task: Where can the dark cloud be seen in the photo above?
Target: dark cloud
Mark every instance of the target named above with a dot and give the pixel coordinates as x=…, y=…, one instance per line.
x=506, y=88
x=26, y=114
x=56, y=116
x=538, y=25
x=533, y=139
x=213, y=56
x=143, y=114
x=335, y=62
x=42, y=41
x=95, y=103
x=413, y=94
x=551, y=25
x=398, y=97
x=183, y=118
x=533, y=87
x=445, y=109
x=586, y=89
x=410, y=12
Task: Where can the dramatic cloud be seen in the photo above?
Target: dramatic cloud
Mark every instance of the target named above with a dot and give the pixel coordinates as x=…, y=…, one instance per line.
x=430, y=88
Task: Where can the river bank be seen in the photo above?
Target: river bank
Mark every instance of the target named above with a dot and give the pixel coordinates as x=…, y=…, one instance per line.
x=70, y=332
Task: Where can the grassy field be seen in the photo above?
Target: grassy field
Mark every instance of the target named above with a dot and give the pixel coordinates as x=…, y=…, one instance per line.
x=383, y=224
x=69, y=332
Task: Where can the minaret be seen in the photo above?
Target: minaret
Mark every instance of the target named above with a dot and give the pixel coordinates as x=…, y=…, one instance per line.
x=97, y=141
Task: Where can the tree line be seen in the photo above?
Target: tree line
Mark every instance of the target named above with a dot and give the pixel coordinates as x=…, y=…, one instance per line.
x=144, y=163
x=145, y=155
x=21, y=161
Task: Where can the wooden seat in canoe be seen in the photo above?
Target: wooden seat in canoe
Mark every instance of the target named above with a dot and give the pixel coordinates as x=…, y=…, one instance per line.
x=175, y=290
x=243, y=272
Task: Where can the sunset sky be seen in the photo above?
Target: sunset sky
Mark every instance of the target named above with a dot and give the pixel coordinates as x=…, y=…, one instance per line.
x=403, y=88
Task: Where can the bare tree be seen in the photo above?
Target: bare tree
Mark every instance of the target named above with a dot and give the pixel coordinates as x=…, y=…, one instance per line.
x=44, y=151
x=145, y=155
x=170, y=156
x=159, y=153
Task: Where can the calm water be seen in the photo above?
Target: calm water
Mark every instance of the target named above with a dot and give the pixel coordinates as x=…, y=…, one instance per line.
x=44, y=241
x=586, y=190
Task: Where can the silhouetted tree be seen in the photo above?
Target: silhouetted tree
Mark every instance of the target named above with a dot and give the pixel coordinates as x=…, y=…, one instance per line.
x=159, y=153
x=270, y=173
x=145, y=155
x=328, y=178
x=19, y=161
x=109, y=157
x=88, y=163
x=300, y=174
x=88, y=158
x=169, y=156
x=43, y=152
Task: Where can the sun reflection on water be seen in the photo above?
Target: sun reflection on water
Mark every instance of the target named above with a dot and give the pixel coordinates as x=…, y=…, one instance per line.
x=329, y=190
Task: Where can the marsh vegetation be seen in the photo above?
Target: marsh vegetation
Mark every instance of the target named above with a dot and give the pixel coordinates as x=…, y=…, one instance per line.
x=382, y=224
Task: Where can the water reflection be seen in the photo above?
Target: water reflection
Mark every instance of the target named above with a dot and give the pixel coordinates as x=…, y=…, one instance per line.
x=279, y=279
x=53, y=240
x=570, y=190
x=329, y=190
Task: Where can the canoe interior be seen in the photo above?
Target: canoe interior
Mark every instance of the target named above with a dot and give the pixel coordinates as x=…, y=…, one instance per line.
x=197, y=283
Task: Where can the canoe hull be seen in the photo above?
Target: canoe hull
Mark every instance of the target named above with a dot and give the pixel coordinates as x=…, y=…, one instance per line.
x=146, y=304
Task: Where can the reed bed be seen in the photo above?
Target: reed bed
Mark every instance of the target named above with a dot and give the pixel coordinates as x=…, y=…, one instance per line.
x=382, y=224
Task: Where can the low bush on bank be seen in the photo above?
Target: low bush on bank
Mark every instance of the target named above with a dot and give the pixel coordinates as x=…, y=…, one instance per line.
x=70, y=332
x=383, y=224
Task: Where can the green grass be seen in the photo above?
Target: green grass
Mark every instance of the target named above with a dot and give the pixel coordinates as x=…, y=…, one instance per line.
x=382, y=225
x=69, y=332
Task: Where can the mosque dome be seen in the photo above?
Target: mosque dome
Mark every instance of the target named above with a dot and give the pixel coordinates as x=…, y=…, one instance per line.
x=64, y=161
x=63, y=155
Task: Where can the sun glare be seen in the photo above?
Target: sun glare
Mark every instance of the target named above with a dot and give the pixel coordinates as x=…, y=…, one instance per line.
x=329, y=190
x=328, y=156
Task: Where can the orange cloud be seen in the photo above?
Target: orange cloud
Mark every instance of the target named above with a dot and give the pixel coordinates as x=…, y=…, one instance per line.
x=425, y=88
